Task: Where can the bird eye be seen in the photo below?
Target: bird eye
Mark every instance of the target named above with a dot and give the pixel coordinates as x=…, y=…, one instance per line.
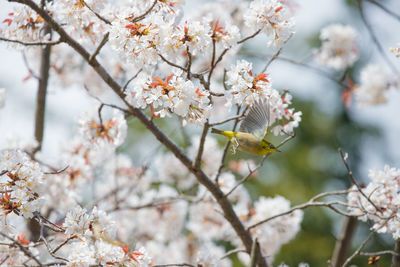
x=271, y=146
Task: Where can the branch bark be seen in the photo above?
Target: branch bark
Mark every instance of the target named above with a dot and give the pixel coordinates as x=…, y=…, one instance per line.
x=343, y=242
x=396, y=258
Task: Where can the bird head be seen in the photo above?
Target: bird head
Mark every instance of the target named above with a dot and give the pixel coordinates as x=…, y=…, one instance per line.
x=267, y=147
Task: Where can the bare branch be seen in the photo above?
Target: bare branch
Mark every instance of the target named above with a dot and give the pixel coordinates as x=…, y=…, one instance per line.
x=139, y=18
x=343, y=242
x=358, y=251
x=97, y=14
x=22, y=248
x=237, y=117
x=131, y=79
x=249, y=37
x=197, y=162
x=100, y=46
x=59, y=41
x=353, y=180
x=375, y=39
x=396, y=254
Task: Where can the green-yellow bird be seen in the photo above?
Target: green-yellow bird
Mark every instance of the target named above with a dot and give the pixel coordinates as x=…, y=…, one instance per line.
x=252, y=131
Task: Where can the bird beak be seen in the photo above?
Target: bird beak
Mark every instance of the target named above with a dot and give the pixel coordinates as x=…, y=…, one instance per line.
x=277, y=150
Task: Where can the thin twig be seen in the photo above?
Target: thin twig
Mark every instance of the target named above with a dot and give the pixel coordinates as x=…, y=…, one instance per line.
x=310, y=203
x=131, y=79
x=237, y=117
x=353, y=180
x=59, y=41
x=22, y=248
x=253, y=255
x=97, y=14
x=100, y=46
x=377, y=253
x=233, y=251
x=139, y=18
x=249, y=37
x=364, y=243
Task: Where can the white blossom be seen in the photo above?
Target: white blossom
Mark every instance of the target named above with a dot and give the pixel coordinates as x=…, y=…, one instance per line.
x=175, y=94
x=21, y=183
x=375, y=81
x=273, y=17
x=383, y=192
x=339, y=47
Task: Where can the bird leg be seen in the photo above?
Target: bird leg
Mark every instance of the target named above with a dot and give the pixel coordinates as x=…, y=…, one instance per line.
x=235, y=145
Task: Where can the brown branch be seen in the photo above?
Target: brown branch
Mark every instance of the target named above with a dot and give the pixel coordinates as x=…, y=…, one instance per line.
x=139, y=18
x=50, y=250
x=202, y=178
x=100, y=46
x=59, y=41
x=22, y=248
x=42, y=91
x=396, y=256
x=97, y=14
x=353, y=180
x=253, y=255
x=131, y=79
x=343, y=242
x=249, y=37
x=310, y=203
x=237, y=117
x=383, y=252
x=197, y=162
x=364, y=243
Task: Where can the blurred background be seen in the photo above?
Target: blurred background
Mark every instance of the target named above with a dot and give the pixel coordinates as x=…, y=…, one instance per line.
x=309, y=164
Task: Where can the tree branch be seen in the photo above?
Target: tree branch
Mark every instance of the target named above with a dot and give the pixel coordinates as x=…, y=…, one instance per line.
x=343, y=242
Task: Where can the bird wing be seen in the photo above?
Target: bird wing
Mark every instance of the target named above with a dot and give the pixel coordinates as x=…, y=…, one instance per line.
x=257, y=120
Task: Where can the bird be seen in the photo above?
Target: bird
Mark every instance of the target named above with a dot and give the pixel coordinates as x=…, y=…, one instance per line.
x=252, y=131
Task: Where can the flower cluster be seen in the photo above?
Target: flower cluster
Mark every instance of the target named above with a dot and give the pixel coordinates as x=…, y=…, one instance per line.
x=248, y=89
x=94, y=234
x=99, y=131
x=382, y=205
x=137, y=42
x=339, y=47
x=21, y=180
x=23, y=24
x=175, y=94
x=80, y=19
x=375, y=81
x=276, y=232
x=273, y=17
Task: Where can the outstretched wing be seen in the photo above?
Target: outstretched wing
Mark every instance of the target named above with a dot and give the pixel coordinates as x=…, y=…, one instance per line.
x=257, y=120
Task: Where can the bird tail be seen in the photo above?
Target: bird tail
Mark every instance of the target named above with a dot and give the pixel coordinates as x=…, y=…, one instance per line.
x=216, y=131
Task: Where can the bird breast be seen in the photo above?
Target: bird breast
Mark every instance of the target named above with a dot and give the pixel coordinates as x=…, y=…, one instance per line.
x=248, y=142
